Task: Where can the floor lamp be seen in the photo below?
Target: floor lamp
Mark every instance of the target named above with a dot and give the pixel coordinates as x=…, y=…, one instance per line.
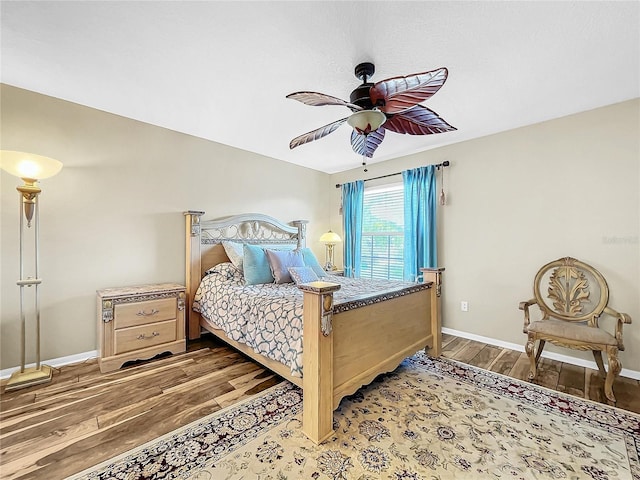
x=330, y=239
x=30, y=168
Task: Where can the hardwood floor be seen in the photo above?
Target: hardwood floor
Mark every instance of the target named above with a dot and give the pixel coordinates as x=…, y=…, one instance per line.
x=563, y=377
x=84, y=417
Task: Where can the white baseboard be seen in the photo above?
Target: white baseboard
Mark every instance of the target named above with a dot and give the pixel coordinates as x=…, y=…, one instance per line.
x=551, y=355
x=56, y=362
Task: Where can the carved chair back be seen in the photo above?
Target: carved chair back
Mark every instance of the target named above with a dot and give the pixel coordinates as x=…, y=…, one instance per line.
x=568, y=289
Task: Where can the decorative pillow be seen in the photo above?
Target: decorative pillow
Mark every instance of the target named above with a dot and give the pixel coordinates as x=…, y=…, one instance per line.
x=310, y=260
x=255, y=265
x=235, y=252
x=280, y=261
x=302, y=274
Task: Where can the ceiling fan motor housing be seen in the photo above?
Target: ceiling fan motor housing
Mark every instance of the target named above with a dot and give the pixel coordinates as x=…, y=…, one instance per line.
x=360, y=96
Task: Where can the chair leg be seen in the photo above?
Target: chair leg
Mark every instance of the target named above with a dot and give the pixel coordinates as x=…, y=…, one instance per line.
x=597, y=354
x=614, y=369
x=533, y=359
x=540, y=347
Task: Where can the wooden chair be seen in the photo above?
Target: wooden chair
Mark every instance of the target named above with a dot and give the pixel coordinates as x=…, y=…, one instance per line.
x=576, y=296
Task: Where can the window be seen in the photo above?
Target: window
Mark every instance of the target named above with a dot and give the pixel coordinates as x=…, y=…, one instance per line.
x=383, y=232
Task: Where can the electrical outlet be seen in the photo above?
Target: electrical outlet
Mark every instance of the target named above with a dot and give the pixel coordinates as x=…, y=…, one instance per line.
x=464, y=306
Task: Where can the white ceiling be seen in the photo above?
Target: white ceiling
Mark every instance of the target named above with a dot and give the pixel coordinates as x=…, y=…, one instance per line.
x=221, y=70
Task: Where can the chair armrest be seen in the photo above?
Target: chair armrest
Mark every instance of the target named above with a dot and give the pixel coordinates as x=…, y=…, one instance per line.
x=622, y=319
x=527, y=304
x=524, y=306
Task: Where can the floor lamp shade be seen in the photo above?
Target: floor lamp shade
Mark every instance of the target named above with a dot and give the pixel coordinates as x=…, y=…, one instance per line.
x=30, y=168
x=28, y=165
x=330, y=239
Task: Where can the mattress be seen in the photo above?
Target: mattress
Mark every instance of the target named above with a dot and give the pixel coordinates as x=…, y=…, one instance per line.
x=268, y=317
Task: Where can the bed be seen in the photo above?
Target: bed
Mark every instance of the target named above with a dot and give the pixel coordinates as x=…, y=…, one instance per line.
x=347, y=340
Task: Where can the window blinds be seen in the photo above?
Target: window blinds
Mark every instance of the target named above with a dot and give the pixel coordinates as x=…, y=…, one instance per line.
x=383, y=232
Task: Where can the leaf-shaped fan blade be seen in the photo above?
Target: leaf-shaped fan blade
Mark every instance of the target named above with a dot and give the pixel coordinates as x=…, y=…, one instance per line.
x=316, y=99
x=366, y=144
x=401, y=93
x=418, y=120
x=316, y=134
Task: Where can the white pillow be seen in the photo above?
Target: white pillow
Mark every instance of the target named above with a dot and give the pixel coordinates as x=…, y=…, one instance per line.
x=235, y=252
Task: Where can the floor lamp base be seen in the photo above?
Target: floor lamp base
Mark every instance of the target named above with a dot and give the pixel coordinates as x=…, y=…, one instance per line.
x=30, y=376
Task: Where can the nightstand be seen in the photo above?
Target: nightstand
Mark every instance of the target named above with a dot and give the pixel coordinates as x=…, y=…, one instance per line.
x=140, y=322
x=339, y=273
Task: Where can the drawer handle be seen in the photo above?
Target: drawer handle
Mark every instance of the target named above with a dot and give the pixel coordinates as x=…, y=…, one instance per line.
x=143, y=336
x=142, y=313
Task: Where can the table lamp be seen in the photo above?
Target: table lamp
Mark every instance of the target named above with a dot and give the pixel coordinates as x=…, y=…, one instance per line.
x=330, y=239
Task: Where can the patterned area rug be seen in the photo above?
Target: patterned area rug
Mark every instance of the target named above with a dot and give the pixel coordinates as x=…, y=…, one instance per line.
x=429, y=419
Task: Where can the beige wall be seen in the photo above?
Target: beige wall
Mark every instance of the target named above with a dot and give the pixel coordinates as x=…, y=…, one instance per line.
x=566, y=187
x=113, y=216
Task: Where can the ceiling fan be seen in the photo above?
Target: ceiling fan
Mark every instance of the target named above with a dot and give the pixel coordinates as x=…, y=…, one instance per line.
x=391, y=104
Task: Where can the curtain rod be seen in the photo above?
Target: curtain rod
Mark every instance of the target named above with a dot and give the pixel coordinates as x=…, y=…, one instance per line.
x=443, y=164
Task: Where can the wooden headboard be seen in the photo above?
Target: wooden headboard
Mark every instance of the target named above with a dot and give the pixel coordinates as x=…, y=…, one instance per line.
x=204, y=249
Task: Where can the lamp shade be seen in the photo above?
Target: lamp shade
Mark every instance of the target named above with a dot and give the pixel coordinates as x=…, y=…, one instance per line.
x=29, y=165
x=330, y=237
x=366, y=121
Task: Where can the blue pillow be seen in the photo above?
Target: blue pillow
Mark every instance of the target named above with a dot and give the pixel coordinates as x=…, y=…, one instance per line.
x=255, y=265
x=310, y=260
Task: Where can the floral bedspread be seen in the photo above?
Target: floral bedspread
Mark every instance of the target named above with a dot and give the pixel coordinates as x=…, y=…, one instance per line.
x=268, y=317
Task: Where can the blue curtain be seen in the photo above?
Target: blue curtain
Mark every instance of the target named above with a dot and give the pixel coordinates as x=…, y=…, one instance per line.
x=352, y=206
x=419, y=220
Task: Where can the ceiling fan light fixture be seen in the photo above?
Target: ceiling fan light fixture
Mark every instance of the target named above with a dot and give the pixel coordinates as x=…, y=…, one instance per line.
x=367, y=121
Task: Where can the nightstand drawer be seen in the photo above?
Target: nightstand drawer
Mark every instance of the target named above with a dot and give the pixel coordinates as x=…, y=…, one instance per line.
x=141, y=313
x=135, y=338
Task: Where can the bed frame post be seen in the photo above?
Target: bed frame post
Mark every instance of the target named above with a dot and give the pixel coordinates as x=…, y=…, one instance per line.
x=317, y=369
x=193, y=271
x=434, y=275
x=301, y=225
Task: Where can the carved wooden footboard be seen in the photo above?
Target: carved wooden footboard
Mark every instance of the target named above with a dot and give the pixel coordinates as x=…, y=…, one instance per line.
x=345, y=346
